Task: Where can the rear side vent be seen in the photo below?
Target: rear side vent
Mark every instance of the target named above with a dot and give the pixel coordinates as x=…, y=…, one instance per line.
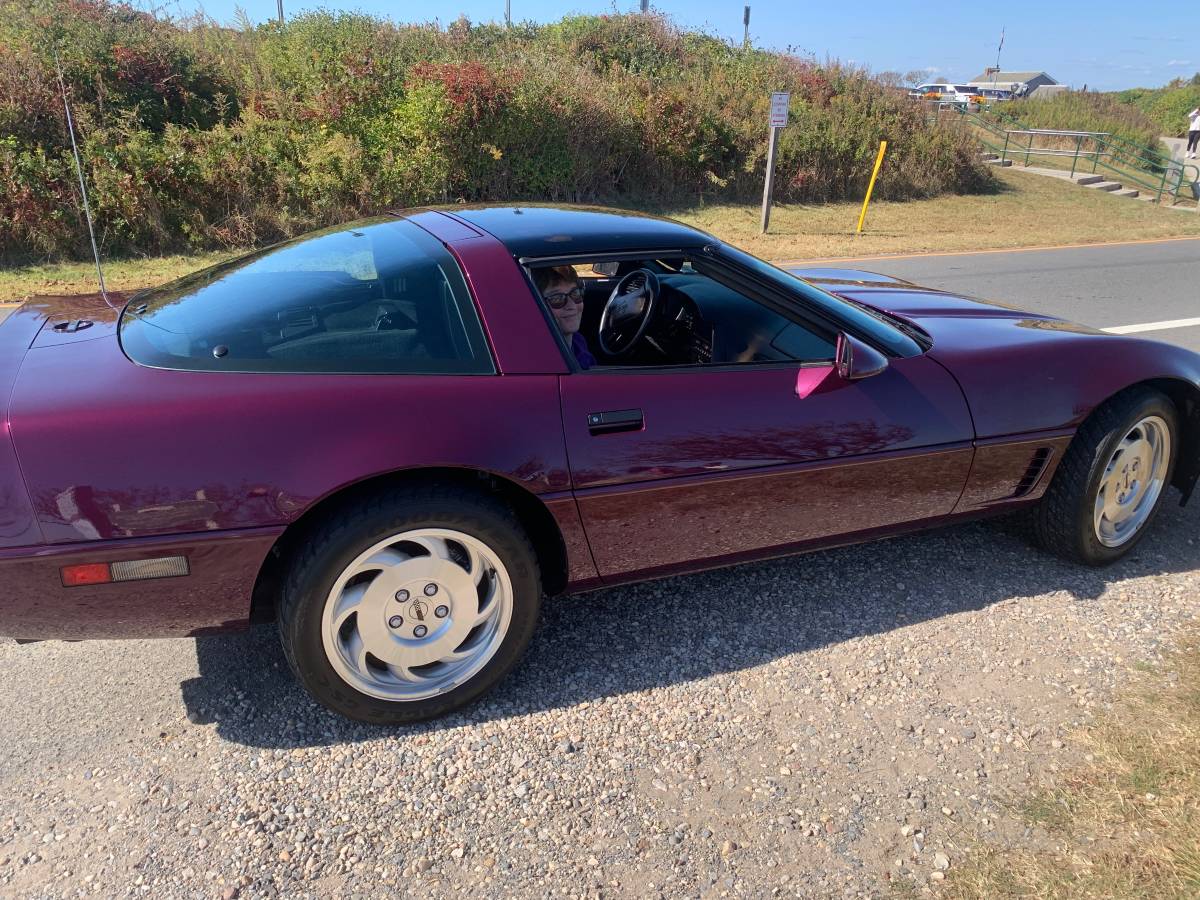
x=1037, y=465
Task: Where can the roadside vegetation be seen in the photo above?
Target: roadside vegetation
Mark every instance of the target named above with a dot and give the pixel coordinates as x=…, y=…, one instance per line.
x=201, y=137
x=1125, y=825
x=1167, y=106
x=1078, y=111
x=1023, y=210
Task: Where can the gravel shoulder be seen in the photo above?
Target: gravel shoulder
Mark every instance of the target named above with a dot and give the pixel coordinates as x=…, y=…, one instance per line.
x=820, y=725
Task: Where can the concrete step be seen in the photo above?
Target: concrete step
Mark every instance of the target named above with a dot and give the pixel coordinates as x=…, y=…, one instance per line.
x=996, y=161
x=1088, y=179
x=1127, y=192
x=1110, y=186
x=1049, y=173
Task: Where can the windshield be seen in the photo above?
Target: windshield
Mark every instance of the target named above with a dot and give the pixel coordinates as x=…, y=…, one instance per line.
x=874, y=327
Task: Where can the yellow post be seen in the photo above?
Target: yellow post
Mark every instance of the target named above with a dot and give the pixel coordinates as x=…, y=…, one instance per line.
x=870, y=187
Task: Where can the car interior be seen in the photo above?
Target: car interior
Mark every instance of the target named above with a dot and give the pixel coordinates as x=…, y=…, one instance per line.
x=677, y=315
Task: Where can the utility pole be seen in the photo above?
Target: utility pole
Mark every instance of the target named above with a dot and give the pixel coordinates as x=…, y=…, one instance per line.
x=507, y=13
x=645, y=6
x=746, y=23
x=279, y=4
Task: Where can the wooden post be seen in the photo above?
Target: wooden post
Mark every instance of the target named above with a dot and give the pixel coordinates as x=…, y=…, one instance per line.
x=870, y=187
x=769, y=186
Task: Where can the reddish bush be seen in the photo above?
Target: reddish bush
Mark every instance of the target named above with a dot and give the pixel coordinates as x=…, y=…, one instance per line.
x=472, y=86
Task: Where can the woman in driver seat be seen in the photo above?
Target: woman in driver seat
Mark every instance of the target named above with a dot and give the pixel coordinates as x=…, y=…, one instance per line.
x=562, y=290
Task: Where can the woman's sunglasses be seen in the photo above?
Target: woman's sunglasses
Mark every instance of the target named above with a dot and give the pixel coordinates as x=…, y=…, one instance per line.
x=559, y=299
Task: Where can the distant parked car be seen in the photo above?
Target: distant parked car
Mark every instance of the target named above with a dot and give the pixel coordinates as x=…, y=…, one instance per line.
x=381, y=436
x=947, y=93
x=994, y=95
x=932, y=92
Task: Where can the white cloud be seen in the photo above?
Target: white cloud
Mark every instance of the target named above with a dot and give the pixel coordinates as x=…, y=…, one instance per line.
x=1179, y=62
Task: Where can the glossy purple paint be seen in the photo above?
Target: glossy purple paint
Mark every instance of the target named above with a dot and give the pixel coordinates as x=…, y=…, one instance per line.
x=1023, y=372
x=214, y=597
x=210, y=451
x=101, y=459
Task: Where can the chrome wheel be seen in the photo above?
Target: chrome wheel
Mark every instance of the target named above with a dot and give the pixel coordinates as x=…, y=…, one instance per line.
x=417, y=614
x=1132, y=481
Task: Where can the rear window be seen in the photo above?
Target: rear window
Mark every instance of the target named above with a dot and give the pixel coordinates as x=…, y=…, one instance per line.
x=380, y=296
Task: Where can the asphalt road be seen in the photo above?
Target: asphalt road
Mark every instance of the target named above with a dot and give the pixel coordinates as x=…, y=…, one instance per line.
x=1103, y=286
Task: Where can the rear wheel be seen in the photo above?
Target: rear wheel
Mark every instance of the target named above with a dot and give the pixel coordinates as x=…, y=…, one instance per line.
x=1111, y=481
x=410, y=605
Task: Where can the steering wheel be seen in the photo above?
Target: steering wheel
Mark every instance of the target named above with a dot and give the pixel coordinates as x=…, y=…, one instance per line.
x=628, y=312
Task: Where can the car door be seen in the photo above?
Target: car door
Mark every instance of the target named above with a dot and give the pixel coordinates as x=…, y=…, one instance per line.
x=687, y=465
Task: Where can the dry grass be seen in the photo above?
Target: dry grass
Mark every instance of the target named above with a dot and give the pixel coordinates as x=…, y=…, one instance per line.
x=1128, y=824
x=1027, y=210
x=119, y=275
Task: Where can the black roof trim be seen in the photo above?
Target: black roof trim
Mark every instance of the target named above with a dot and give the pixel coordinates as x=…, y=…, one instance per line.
x=542, y=231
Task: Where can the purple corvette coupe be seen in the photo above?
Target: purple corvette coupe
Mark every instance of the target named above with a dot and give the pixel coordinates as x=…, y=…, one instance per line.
x=396, y=436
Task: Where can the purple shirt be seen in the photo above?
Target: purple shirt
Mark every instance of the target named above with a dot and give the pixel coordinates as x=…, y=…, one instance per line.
x=582, y=354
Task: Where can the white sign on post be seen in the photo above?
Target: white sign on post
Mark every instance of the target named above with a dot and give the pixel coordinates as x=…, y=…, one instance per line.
x=779, y=109
x=779, y=119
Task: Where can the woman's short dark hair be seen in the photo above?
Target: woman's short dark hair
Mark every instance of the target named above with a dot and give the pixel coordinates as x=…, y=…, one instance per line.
x=544, y=278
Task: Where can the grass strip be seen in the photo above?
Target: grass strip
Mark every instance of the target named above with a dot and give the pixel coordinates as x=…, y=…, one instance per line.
x=1026, y=210
x=1127, y=823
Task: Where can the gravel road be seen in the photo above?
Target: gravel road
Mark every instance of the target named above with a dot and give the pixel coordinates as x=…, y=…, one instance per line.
x=814, y=726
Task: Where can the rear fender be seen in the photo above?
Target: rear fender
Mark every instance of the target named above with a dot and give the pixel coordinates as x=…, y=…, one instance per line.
x=18, y=526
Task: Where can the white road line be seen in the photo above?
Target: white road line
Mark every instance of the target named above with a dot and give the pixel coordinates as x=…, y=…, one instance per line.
x=1152, y=326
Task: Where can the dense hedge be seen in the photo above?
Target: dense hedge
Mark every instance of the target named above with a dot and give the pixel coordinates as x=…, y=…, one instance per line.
x=199, y=136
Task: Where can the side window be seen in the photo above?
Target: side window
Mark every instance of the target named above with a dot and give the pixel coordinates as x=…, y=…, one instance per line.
x=375, y=297
x=670, y=312
x=740, y=329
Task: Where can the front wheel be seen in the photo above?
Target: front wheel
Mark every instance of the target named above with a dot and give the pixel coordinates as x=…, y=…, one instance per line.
x=1112, y=479
x=410, y=605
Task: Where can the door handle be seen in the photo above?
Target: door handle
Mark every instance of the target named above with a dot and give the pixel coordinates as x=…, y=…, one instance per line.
x=614, y=420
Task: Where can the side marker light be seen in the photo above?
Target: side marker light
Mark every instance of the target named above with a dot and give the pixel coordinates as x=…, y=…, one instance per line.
x=127, y=570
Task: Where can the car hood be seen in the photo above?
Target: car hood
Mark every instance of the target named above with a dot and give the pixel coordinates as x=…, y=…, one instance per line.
x=922, y=306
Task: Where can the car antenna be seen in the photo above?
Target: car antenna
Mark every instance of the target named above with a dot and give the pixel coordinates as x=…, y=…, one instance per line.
x=87, y=209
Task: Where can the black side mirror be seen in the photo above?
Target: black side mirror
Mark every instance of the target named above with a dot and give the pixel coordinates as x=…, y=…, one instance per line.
x=856, y=360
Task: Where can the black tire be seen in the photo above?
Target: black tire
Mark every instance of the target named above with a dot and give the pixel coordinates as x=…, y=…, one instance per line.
x=329, y=548
x=1063, y=519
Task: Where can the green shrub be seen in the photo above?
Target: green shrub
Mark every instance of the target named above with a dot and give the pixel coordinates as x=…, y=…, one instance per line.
x=1079, y=111
x=197, y=136
x=1167, y=106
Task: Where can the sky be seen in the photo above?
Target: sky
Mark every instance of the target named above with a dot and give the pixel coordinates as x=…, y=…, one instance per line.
x=1103, y=44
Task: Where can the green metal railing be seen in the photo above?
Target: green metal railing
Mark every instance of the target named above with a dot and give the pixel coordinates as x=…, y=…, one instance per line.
x=1154, y=172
